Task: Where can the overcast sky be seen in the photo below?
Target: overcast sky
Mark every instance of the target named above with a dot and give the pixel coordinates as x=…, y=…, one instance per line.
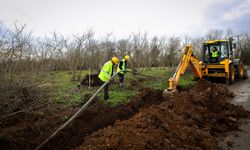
x=122, y=17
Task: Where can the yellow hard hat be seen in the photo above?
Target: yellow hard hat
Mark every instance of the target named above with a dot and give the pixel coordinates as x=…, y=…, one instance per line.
x=115, y=60
x=126, y=57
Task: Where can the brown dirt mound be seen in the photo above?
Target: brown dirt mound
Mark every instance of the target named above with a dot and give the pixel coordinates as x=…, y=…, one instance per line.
x=94, y=80
x=136, y=84
x=27, y=130
x=99, y=116
x=191, y=120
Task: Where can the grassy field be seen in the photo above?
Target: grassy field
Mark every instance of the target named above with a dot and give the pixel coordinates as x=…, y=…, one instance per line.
x=64, y=90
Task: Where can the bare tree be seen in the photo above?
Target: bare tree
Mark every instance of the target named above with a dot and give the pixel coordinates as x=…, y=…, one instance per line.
x=197, y=46
x=139, y=48
x=154, y=52
x=22, y=52
x=243, y=47
x=76, y=51
x=174, y=51
x=214, y=34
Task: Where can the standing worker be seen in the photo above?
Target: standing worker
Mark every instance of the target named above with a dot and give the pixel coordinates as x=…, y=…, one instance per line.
x=106, y=73
x=122, y=67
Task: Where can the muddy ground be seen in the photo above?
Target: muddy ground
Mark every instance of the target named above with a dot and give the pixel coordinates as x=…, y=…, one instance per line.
x=240, y=139
x=27, y=130
x=191, y=120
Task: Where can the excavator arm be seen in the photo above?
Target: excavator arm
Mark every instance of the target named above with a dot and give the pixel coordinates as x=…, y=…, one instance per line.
x=187, y=58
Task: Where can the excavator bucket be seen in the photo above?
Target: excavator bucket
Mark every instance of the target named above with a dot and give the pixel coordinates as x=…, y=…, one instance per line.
x=171, y=90
x=167, y=93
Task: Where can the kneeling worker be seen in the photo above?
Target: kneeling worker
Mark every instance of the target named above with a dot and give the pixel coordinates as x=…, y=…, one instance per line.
x=106, y=73
x=122, y=67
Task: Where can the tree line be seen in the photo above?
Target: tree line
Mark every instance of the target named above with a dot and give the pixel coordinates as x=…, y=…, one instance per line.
x=23, y=53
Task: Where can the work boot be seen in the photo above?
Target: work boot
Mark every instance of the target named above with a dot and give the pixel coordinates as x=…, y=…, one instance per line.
x=121, y=86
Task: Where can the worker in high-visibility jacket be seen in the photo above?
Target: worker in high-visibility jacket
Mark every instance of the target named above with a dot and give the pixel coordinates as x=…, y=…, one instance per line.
x=215, y=54
x=122, y=68
x=106, y=73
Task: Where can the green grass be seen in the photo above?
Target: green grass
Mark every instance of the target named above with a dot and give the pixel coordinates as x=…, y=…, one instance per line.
x=64, y=90
x=120, y=96
x=187, y=80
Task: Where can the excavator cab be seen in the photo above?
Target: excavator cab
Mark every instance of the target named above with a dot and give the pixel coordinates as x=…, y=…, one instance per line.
x=223, y=47
x=224, y=66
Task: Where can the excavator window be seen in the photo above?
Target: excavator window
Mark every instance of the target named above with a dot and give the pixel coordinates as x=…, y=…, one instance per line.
x=208, y=48
x=207, y=53
x=224, y=51
x=222, y=48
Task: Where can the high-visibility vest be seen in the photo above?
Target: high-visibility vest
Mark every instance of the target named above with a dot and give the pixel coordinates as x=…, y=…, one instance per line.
x=106, y=72
x=123, y=67
x=215, y=54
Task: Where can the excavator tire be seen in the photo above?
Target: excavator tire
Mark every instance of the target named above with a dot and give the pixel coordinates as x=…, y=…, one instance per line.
x=245, y=75
x=240, y=71
x=231, y=78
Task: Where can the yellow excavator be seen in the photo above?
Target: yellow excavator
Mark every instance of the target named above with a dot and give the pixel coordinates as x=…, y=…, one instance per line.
x=223, y=66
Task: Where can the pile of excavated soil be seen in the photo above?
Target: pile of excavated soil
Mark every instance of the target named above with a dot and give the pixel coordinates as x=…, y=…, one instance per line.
x=136, y=84
x=190, y=120
x=94, y=80
x=28, y=129
x=99, y=116
x=25, y=129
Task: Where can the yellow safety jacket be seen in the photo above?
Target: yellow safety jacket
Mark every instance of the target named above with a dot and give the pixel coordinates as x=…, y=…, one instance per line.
x=123, y=67
x=215, y=54
x=106, y=72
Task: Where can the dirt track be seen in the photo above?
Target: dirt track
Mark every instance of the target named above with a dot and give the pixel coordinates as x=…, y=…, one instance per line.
x=192, y=120
x=241, y=89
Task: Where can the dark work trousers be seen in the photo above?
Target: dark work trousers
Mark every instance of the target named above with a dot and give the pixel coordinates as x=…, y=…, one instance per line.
x=214, y=60
x=105, y=90
x=121, y=77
